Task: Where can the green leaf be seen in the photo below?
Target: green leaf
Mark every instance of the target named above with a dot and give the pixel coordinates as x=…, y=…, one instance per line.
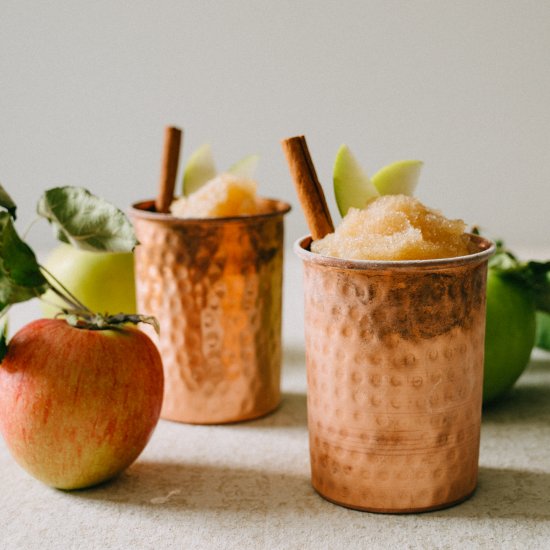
x=542, y=339
x=503, y=259
x=532, y=275
x=85, y=221
x=19, y=260
x=539, y=278
x=7, y=202
x=20, y=275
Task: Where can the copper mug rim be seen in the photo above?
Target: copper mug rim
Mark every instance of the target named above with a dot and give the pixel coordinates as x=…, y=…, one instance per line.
x=483, y=249
x=145, y=209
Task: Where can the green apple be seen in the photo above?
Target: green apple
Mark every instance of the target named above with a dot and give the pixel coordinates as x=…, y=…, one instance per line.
x=102, y=281
x=352, y=186
x=398, y=178
x=510, y=334
x=199, y=169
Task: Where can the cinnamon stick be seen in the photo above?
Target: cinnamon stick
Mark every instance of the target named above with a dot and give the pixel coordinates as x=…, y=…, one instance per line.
x=169, y=168
x=310, y=192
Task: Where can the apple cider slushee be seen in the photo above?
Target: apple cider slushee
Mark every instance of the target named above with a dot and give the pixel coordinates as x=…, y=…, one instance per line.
x=395, y=321
x=211, y=272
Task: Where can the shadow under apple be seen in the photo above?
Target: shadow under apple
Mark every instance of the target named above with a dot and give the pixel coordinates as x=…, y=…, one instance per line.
x=188, y=486
x=528, y=402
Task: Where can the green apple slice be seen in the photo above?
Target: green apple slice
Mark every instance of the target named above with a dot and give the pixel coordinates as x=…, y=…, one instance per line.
x=352, y=186
x=398, y=178
x=199, y=169
x=245, y=168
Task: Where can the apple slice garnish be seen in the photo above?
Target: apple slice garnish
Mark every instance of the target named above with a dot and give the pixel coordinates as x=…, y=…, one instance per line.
x=352, y=186
x=245, y=168
x=398, y=178
x=199, y=169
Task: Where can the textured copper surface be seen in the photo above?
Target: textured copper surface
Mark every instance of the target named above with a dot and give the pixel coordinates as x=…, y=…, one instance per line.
x=394, y=354
x=215, y=286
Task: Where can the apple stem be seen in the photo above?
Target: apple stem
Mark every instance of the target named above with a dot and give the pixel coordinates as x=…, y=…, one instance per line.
x=79, y=316
x=70, y=299
x=30, y=226
x=63, y=297
x=97, y=321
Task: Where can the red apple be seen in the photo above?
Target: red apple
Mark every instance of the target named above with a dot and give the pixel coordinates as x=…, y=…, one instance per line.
x=77, y=406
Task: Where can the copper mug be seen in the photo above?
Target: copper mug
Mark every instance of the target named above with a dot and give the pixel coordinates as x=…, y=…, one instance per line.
x=215, y=286
x=394, y=354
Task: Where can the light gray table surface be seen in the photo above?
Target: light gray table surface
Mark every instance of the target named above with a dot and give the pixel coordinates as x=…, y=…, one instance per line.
x=247, y=485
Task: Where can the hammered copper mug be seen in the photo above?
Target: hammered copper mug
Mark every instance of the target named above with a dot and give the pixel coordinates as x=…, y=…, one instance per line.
x=394, y=354
x=215, y=286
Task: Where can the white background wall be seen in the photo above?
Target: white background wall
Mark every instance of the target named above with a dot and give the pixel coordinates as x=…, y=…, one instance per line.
x=87, y=87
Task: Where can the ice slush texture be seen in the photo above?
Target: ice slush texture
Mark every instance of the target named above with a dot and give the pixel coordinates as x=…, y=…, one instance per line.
x=224, y=196
x=395, y=227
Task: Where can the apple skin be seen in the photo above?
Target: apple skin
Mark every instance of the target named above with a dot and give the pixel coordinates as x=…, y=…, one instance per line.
x=78, y=406
x=509, y=335
x=102, y=281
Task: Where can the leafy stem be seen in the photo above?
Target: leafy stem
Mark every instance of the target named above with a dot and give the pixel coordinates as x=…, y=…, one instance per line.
x=533, y=275
x=78, y=218
x=98, y=321
x=30, y=226
x=80, y=316
x=69, y=298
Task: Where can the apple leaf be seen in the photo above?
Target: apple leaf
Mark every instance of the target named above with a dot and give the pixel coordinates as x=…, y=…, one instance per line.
x=85, y=221
x=532, y=275
x=538, y=278
x=20, y=275
x=7, y=202
x=543, y=330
